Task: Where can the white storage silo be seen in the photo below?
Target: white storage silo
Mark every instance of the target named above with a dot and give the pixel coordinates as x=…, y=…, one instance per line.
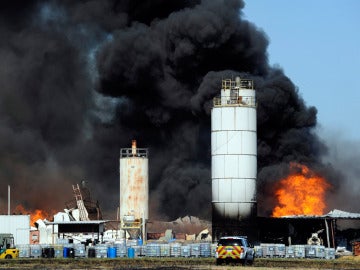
x=234, y=151
x=134, y=183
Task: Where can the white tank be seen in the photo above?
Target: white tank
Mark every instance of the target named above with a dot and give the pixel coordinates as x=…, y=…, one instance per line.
x=134, y=182
x=234, y=150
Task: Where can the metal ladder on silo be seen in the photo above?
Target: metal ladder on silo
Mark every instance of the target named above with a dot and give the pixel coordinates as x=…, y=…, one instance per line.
x=80, y=203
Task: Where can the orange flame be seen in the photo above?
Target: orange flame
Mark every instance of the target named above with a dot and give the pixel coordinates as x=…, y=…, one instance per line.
x=35, y=215
x=301, y=193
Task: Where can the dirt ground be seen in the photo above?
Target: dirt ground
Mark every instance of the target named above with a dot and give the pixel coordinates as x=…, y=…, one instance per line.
x=352, y=263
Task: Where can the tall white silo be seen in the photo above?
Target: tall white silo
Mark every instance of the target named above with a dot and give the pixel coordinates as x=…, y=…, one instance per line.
x=234, y=151
x=134, y=186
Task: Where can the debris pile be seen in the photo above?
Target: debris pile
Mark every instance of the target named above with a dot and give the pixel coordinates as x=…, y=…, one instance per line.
x=185, y=228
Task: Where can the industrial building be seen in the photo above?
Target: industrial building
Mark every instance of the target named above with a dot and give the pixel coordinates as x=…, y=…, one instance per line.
x=234, y=201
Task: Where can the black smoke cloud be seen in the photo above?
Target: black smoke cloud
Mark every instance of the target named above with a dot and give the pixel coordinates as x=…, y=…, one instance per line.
x=80, y=79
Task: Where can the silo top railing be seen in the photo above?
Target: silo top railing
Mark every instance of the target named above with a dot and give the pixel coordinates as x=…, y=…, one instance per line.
x=228, y=84
x=245, y=101
x=231, y=94
x=128, y=152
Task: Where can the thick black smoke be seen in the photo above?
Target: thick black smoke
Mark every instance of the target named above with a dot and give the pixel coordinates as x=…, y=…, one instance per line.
x=80, y=79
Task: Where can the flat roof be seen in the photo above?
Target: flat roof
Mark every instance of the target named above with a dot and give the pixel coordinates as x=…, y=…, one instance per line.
x=88, y=226
x=85, y=222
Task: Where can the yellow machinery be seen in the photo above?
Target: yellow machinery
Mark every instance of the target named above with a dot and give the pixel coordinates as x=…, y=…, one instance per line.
x=7, y=247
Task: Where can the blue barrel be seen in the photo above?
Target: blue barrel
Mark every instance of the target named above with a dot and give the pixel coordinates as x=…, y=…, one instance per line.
x=111, y=253
x=140, y=242
x=65, y=252
x=131, y=252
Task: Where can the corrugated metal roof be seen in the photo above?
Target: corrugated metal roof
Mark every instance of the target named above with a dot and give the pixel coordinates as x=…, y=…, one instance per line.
x=334, y=214
x=342, y=214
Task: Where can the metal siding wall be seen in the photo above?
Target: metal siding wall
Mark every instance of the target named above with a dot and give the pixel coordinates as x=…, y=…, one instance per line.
x=238, y=191
x=246, y=92
x=248, y=145
x=247, y=167
x=218, y=166
x=252, y=119
x=231, y=167
x=250, y=185
x=220, y=143
x=225, y=188
x=227, y=118
x=234, y=142
x=215, y=190
x=216, y=120
x=241, y=114
x=18, y=225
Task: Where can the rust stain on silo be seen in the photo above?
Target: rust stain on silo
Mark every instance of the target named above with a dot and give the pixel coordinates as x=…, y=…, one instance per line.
x=134, y=185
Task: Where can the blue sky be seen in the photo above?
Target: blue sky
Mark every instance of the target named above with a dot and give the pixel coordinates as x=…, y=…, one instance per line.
x=317, y=44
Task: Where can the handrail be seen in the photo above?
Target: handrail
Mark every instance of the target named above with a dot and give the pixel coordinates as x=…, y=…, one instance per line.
x=128, y=152
x=246, y=101
x=228, y=84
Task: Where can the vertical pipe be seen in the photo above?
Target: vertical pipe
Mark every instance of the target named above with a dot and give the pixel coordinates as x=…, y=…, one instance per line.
x=237, y=81
x=133, y=147
x=333, y=232
x=143, y=228
x=327, y=233
x=9, y=200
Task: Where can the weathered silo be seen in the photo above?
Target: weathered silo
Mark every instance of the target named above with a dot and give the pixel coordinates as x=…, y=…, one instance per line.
x=233, y=157
x=134, y=188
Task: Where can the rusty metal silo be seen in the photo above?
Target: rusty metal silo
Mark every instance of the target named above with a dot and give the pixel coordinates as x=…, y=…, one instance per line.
x=134, y=187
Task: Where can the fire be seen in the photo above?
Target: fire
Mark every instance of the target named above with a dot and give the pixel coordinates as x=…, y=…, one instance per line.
x=35, y=215
x=301, y=193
